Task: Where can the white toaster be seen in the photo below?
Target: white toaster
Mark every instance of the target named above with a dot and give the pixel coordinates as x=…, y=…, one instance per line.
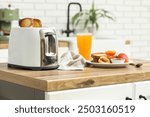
x=33, y=48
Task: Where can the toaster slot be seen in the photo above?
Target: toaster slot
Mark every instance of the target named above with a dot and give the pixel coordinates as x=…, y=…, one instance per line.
x=50, y=42
x=48, y=47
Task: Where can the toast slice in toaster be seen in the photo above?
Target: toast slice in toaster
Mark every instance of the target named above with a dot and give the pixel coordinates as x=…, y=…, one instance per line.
x=30, y=22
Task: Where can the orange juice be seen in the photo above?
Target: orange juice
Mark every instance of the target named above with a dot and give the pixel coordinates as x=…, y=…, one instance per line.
x=84, y=43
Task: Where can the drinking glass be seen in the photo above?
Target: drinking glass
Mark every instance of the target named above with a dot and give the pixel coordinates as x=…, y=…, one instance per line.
x=84, y=43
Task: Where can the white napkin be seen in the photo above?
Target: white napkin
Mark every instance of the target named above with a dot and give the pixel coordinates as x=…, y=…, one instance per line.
x=71, y=61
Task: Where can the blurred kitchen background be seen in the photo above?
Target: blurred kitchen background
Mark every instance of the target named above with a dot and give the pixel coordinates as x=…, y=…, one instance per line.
x=132, y=19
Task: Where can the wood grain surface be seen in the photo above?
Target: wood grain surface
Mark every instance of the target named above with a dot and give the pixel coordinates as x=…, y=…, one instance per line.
x=56, y=80
x=3, y=45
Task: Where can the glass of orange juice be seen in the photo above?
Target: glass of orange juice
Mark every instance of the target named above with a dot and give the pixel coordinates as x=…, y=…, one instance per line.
x=84, y=43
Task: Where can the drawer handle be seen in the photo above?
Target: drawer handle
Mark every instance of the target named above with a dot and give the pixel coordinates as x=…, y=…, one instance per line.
x=127, y=98
x=142, y=97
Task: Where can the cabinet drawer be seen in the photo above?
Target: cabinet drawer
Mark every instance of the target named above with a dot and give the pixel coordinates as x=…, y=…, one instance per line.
x=111, y=92
x=142, y=89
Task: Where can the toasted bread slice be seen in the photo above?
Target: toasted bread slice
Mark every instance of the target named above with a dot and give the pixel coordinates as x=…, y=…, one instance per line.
x=37, y=23
x=26, y=22
x=98, y=54
x=30, y=22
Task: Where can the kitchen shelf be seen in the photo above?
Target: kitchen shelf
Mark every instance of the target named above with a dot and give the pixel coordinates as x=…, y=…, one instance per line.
x=63, y=44
x=3, y=45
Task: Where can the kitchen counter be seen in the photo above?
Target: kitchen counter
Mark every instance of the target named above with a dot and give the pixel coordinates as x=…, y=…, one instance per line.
x=57, y=80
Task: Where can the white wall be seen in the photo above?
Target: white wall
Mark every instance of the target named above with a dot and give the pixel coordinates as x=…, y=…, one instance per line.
x=133, y=18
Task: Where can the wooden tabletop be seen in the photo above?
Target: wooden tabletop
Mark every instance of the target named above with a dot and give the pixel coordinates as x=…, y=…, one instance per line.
x=56, y=80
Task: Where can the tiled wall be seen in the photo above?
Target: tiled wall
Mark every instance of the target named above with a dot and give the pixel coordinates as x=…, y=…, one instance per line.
x=133, y=18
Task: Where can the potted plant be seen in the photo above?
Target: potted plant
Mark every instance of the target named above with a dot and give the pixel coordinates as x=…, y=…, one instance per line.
x=90, y=18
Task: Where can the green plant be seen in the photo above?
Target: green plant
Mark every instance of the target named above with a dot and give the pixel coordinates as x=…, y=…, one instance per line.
x=90, y=17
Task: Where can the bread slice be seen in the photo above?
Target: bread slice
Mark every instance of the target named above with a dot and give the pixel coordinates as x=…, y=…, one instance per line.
x=97, y=55
x=37, y=23
x=30, y=22
x=26, y=22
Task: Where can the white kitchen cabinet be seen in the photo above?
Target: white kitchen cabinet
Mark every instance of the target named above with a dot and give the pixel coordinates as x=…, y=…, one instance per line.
x=142, y=90
x=111, y=92
x=3, y=55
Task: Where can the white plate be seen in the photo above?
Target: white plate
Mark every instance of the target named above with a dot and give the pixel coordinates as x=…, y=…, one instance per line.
x=108, y=65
